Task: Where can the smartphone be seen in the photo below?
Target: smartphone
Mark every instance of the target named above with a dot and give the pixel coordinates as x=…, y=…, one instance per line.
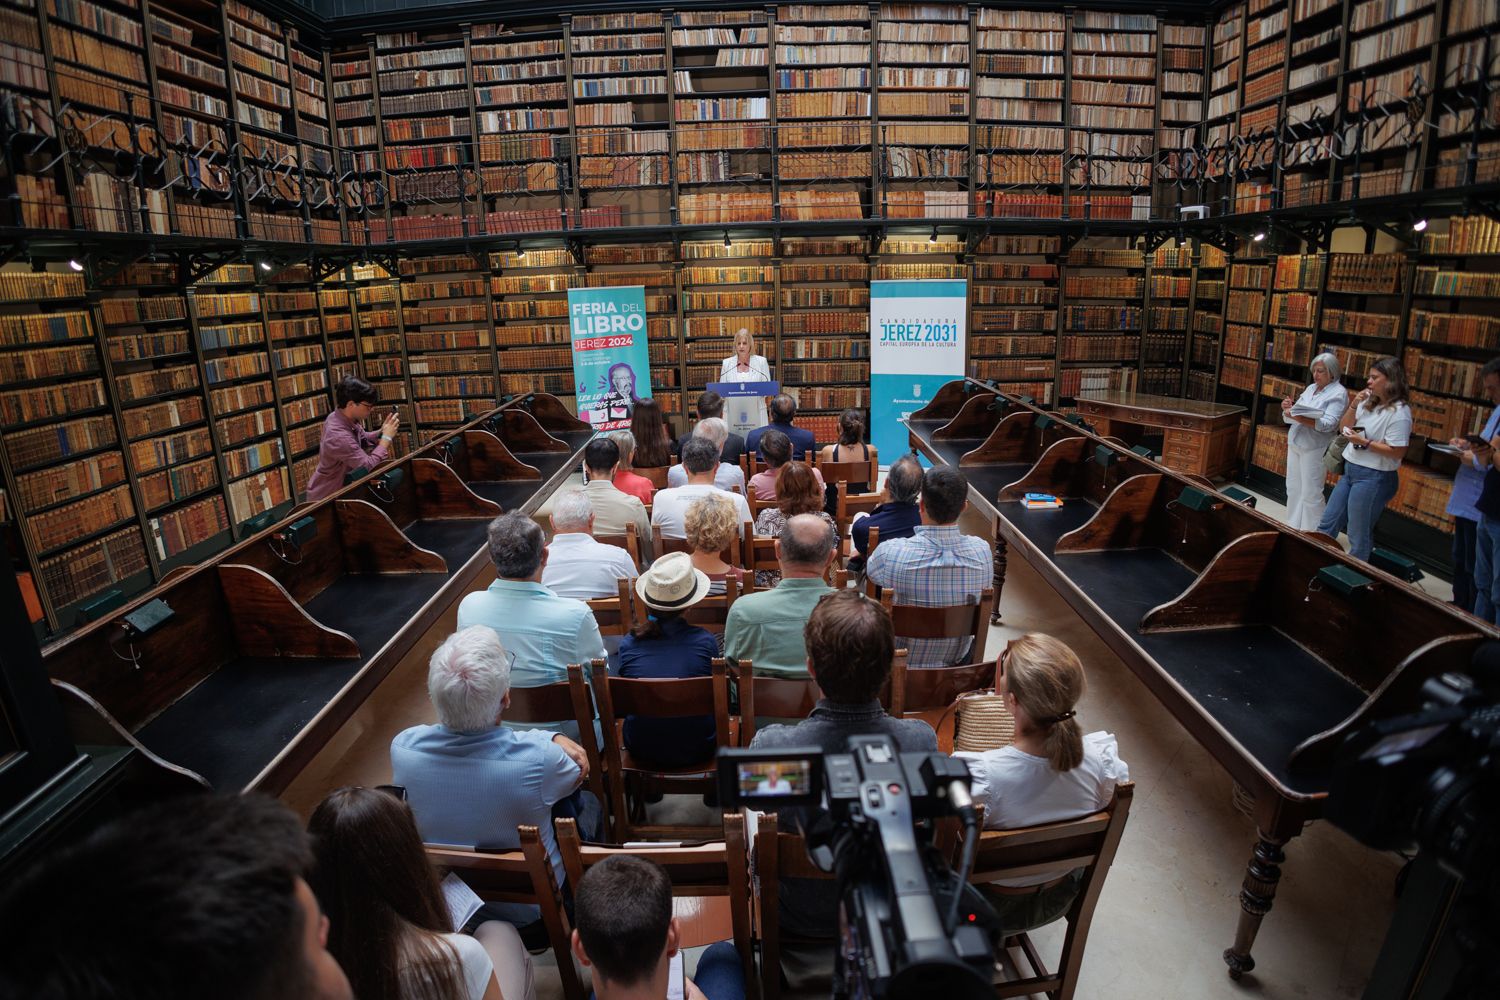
x=1476, y=442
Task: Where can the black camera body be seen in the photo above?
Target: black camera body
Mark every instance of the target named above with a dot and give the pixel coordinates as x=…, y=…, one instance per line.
x=909, y=926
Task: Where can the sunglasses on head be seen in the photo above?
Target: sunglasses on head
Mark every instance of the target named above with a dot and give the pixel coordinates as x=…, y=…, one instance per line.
x=397, y=792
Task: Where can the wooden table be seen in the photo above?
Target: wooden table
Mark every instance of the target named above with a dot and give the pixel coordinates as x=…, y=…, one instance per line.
x=1198, y=438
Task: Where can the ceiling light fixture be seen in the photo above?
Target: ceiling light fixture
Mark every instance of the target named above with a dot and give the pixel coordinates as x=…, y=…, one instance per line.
x=1259, y=237
x=75, y=265
x=933, y=237
x=1419, y=225
x=265, y=265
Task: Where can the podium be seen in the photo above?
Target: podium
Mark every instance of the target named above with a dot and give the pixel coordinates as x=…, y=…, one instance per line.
x=740, y=411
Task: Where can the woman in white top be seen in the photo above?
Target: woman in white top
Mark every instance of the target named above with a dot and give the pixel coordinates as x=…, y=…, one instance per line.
x=1378, y=425
x=1050, y=774
x=745, y=366
x=1308, y=437
x=388, y=923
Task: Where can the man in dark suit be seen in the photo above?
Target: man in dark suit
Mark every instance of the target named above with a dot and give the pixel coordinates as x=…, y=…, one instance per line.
x=783, y=409
x=711, y=404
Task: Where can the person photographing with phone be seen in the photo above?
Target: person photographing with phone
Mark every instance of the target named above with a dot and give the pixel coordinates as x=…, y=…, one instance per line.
x=346, y=446
x=1475, y=458
x=1377, y=426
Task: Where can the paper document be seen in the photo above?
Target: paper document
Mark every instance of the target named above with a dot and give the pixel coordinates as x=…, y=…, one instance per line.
x=1446, y=449
x=676, y=988
x=1303, y=410
x=462, y=901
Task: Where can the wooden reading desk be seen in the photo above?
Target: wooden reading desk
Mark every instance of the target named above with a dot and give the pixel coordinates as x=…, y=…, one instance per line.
x=1267, y=644
x=1197, y=437
x=272, y=645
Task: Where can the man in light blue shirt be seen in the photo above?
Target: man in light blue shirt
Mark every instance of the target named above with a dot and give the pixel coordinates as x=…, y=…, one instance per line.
x=1467, y=483
x=543, y=631
x=470, y=780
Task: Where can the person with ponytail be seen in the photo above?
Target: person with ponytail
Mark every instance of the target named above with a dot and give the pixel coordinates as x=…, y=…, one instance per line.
x=851, y=447
x=1050, y=774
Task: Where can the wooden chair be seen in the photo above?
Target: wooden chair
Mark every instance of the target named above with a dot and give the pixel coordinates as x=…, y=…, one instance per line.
x=756, y=504
x=850, y=504
x=950, y=622
x=778, y=856
x=710, y=883
x=711, y=612
x=619, y=697
x=1089, y=843
x=733, y=554
x=629, y=541
x=656, y=473
x=751, y=464
x=771, y=698
x=930, y=694
x=520, y=876
x=615, y=615
x=843, y=473
x=564, y=701
x=760, y=555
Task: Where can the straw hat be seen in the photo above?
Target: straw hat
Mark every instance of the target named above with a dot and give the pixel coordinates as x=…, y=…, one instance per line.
x=672, y=584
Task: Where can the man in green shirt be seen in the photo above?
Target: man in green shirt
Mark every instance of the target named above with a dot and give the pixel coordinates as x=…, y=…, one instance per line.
x=766, y=627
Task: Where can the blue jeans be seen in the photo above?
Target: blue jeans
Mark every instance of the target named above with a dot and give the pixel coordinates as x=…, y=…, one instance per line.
x=719, y=974
x=1465, y=535
x=1356, y=503
x=1487, y=569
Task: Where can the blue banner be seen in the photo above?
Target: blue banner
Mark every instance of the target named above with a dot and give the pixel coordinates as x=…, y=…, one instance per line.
x=611, y=364
x=917, y=336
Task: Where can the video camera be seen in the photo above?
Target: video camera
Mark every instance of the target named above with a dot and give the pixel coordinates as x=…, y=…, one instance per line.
x=900, y=931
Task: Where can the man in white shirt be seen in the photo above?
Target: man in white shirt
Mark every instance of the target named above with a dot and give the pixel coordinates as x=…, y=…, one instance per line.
x=700, y=457
x=726, y=476
x=578, y=566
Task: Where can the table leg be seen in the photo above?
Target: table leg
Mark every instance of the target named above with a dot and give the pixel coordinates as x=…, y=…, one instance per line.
x=1259, y=890
x=1001, y=553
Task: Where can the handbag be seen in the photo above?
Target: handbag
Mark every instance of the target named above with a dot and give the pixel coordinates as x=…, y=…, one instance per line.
x=1333, y=455
x=982, y=723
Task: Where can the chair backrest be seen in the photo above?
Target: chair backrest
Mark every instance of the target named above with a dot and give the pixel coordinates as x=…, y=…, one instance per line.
x=656, y=473
x=771, y=698
x=619, y=697
x=1089, y=843
x=850, y=504
x=614, y=614
x=756, y=503
x=751, y=464
x=731, y=554
x=848, y=472
x=711, y=612
x=520, y=876
x=914, y=692
x=778, y=855
x=712, y=874
x=564, y=701
x=948, y=622
x=627, y=541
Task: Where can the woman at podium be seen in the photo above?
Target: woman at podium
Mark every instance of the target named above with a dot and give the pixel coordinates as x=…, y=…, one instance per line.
x=745, y=366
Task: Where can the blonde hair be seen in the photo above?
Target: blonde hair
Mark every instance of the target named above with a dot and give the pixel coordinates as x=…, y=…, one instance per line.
x=710, y=524
x=1046, y=678
x=744, y=331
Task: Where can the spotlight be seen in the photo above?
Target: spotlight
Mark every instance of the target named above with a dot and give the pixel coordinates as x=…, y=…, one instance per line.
x=265, y=265
x=727, y=244
x=75, y=265
x=1259, y=237
x=520, y=253
x=1419, y=225
x=933, y=237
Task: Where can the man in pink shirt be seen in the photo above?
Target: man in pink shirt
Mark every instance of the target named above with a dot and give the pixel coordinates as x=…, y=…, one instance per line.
x=346, y=445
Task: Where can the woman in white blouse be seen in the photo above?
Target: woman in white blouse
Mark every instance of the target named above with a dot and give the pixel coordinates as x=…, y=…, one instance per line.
x=1050, y=774
x=1378, y=425
x=1308, y=437
x=745, y=366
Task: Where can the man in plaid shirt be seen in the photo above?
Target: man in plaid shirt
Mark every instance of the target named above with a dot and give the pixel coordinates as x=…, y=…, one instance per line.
x=937, y=567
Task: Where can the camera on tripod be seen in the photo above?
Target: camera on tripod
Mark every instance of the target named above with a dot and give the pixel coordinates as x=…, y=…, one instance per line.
x=909, y=925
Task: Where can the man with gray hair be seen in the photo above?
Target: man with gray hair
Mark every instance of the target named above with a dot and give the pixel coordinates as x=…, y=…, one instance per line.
x=544, y=632
x=578, y=566
x=470, y=780
x=727, y=476
x=669, y=508
x=897, y=517
x=766, y=627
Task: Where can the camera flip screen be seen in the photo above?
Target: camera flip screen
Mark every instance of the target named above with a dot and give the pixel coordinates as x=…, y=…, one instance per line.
x=766, y=779
x=775, y=779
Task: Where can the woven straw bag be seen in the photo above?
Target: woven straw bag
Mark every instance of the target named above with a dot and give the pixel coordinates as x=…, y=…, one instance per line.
x=982, y=722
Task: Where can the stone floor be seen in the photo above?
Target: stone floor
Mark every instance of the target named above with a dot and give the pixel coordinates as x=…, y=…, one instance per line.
x=1170, y=904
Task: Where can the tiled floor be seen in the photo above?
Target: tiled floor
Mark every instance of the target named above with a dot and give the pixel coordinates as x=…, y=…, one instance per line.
x=1170, y=904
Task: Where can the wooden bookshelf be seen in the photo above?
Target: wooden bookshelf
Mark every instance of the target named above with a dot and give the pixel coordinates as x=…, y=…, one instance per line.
x=529, y=294
x=1166, y=308
x=1019, y=110
x=1180, y=108
x=1014, y=294
x=1104, y=284
x=923, y=82
x=450, y=346
x=726, y=289
x=298, y=333
x=1112, y=127
x=382, y=344
x=1206, y=324
x=1311, y=102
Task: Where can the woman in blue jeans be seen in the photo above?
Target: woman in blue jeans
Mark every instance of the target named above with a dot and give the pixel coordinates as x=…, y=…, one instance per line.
x=1377, y=425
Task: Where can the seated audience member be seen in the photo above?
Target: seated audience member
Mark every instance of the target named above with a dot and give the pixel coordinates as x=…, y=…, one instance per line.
x=712, y=528
x=798, y=492
x=653, y=444
x=626, y=936
x=1050, y=774
x=200, y=896
x=766, y=627
x=389, y=924
x=783, y=411
x=471, y=780
x=897, y=516
x=577, y=565
x=849, y=651
x=669, y=509
x=666, y=646
x=777, y=449
x=614, y=508
x=937, y=567
x=625, y=480
x=543, y=632
x=727, y=476
x=711, y=404
x=851, y=446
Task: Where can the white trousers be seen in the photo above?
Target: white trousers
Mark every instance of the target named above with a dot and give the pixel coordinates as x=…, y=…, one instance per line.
x=1304, y=487
x=513, y=969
